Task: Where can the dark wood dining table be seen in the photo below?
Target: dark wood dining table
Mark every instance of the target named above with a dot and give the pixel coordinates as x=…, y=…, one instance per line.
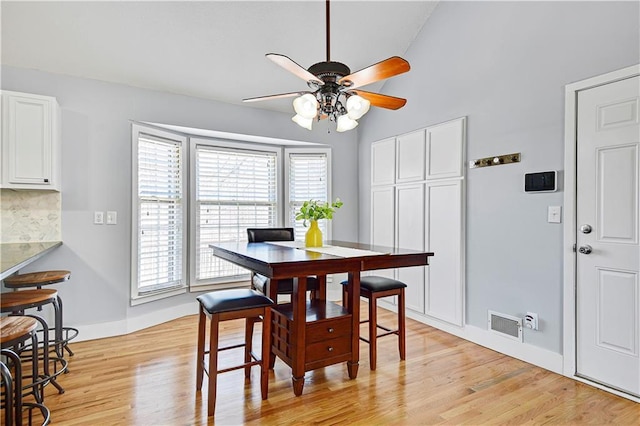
x=310, y=334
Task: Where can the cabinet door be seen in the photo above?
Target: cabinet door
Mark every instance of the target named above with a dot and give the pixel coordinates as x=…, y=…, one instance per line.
x=444, y=297
x=382, y=223
x=383, y=162
x=410, y=153
x=410, y=235
x=445, y=147
x=28, y=141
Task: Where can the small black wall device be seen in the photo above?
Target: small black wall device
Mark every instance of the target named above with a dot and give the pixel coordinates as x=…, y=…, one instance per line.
x=540, y=182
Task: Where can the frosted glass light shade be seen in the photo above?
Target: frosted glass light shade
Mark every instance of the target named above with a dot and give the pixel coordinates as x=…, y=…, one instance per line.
x=357, y=106
x=345, y=123
x=303, y=121
x=306, y=106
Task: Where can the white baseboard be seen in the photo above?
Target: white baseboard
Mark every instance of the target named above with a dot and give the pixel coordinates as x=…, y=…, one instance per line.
x=523, y=351
x=129, y=325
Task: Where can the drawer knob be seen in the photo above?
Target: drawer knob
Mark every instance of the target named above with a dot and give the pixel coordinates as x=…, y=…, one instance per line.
x=330, y=330
x=330, y=349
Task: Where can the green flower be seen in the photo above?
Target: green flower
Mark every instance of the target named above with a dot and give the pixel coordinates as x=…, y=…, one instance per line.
x=316, y=210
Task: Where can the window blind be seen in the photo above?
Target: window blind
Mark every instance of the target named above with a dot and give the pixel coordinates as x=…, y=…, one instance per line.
x=160, y=214
x=308, y=179
x=235, y=190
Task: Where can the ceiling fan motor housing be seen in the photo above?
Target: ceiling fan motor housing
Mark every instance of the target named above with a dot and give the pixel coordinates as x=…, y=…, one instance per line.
x=329, y=72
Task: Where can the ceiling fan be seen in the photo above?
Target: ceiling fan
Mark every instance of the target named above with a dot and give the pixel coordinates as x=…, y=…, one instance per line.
x=335, y=91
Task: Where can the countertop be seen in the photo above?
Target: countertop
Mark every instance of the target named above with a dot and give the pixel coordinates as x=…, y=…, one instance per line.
x=14, y=256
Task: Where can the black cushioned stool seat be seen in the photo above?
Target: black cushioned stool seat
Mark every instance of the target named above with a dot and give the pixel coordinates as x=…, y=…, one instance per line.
x=375, y=287
x=226, y=305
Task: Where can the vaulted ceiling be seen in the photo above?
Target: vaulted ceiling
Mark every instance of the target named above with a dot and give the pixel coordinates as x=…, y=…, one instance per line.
x=207, y=49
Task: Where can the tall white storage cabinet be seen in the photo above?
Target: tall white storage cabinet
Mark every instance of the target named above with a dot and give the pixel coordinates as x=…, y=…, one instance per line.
x=418, y=203
x=30, y=141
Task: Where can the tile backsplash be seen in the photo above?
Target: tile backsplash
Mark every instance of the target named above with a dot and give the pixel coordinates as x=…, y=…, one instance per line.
x=30, y=216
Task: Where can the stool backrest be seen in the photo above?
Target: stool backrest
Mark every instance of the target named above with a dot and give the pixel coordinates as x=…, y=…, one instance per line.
x=258, y=235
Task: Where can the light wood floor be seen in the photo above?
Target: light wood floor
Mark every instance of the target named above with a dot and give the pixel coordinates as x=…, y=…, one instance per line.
x=148, y=378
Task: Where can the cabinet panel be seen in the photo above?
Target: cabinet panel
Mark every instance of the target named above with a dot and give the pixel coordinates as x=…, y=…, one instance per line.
x=445, y=145
x=410, y=235
x=444, y=298
x=29, y=141
x=383, y=162
x=382, y=223
x=410, y=150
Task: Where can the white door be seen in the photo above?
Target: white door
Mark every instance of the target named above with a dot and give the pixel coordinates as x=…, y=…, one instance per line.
x=608, y=258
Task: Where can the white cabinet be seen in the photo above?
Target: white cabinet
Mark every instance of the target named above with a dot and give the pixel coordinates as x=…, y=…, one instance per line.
x=382, y=221
x=30, y=141
x=445, y=143
x=383, y=162
x=426, y=190
x=410, y=151
x=410, y=235
x=444, y=233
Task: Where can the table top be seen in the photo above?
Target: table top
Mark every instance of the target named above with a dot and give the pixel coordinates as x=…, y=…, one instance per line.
x=14, y=256
x=279, y=260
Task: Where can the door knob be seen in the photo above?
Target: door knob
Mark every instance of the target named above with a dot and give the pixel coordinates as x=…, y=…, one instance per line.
x=585, y=229
x=585, y=249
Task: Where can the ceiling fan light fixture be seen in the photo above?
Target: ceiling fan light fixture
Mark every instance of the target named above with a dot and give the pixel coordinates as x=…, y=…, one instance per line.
x=303, y=121
x=306, y=106
x=357, y=106
x=344, y=123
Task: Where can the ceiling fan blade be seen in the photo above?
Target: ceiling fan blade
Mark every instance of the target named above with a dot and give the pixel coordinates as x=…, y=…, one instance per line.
x=291, y=66
x=382, y=101
x=278, y=96
x=388, y=68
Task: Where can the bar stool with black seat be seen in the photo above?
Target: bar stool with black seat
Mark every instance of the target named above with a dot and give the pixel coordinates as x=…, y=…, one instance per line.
x=373, y=288
x=14, y=332
x=63, y=334
x=285, y=286
x=224, y=305
x=16, y=303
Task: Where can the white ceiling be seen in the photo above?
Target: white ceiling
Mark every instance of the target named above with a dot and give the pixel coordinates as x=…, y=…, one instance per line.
x=208, y=49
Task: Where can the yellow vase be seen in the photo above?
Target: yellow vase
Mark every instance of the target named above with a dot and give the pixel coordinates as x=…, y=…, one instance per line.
x=313, y=238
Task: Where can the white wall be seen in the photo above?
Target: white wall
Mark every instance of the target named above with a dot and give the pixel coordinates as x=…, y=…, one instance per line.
x=96, y=175
x=505, y=65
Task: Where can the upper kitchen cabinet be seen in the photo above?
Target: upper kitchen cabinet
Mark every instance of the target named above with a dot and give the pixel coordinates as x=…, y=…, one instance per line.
x=30, y=141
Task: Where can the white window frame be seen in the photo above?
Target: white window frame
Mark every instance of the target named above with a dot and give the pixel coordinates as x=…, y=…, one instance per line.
x=217, y=283
x=136, y=296
x=188, y=152
x=310, y=151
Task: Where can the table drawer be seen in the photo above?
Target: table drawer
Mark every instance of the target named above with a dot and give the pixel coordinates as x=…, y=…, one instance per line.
x=329, y=329
x=327, y=349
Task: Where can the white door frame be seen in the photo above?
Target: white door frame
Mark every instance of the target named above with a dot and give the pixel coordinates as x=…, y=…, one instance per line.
x=570, y=226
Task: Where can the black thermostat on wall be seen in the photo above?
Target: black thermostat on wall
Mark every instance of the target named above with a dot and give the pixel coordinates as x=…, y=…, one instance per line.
x=540, y=182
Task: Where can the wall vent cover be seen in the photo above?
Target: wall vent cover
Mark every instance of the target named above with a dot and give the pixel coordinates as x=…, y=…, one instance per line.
x=505, y=325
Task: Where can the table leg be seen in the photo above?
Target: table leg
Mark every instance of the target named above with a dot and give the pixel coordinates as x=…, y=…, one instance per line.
x=273, y=295
x=322, y=287
x=353, y=297
x=299, y=302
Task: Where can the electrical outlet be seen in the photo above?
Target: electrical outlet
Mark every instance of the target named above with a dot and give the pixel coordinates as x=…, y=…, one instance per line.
x=98, y=218
x=531, y=320
x=112, y=218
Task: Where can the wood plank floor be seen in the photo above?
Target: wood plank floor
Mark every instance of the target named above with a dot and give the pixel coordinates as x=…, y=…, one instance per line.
x=148, y=378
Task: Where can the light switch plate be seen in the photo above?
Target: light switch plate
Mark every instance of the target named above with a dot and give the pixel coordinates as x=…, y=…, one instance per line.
x=554, y=214
x=112, y=218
